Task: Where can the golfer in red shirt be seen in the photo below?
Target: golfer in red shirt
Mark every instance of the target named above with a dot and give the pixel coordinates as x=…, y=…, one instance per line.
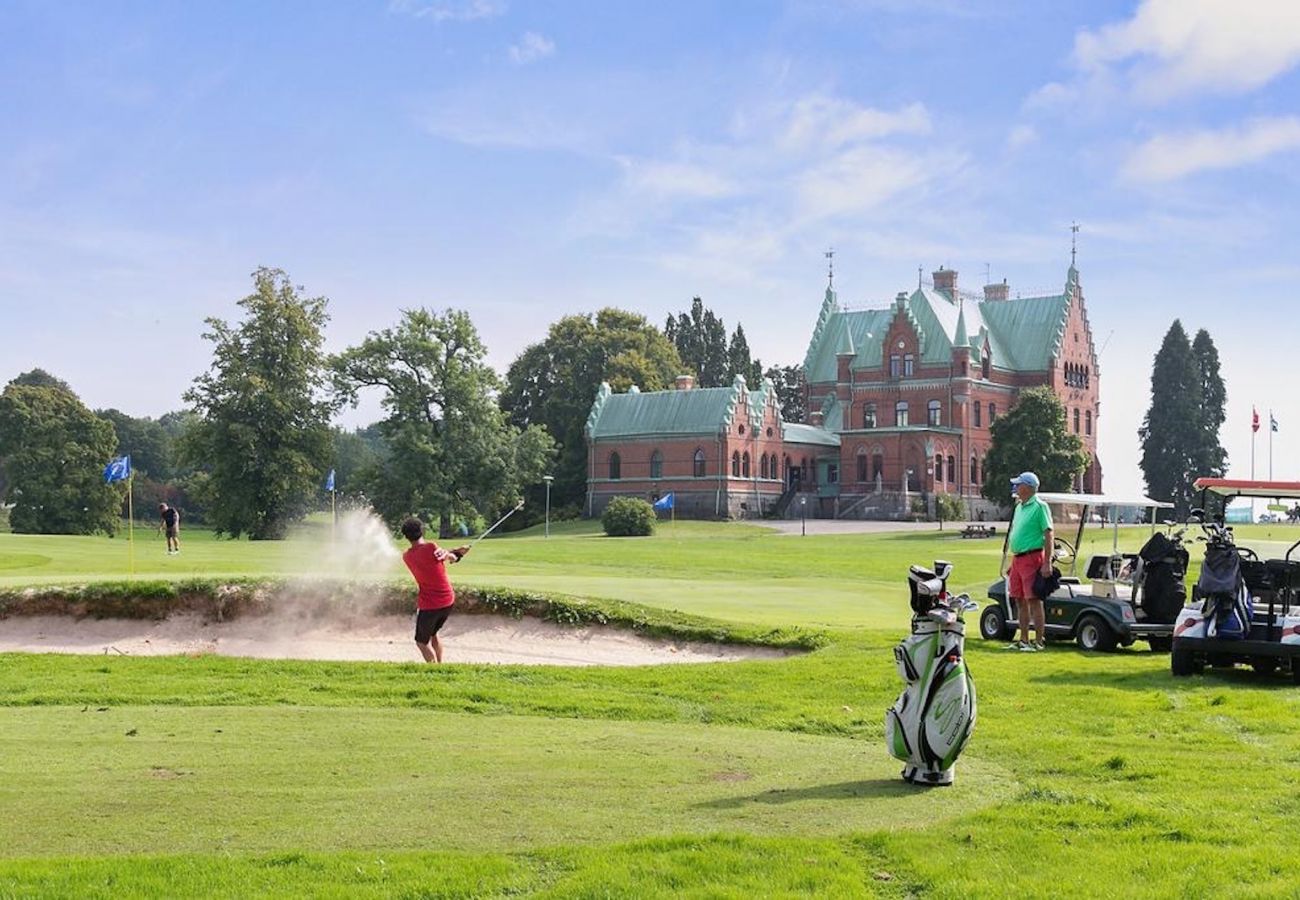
x=428, y=563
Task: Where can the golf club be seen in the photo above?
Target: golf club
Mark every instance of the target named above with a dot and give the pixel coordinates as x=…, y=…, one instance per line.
x=518, y=506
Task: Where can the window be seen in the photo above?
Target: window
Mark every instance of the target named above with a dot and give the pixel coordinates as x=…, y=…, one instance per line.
x=909, y=365
x=974, y=471
x=869, y=415
x=697, y=464
x=862, y=465
x=932, y=413
x=735, y=463
x=803, y=469
x=1076, y=420
x=952, y=468
x=986, y=367
x=895, y=365
x=900, y=413
x=877, y=466
x=762, y=466
x=977, y=422
x=656, y=465
x=740, y=430
x=615, y=467
x=993, y=412
x=938, y=470
x=963, y=367
x=832, y=473
x=1087, y=422
x=744, y=464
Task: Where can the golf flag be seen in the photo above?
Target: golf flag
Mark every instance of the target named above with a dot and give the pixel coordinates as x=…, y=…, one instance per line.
x=664, y=502
x=1272, y=422
x=329, y=482
x=1254, y=420
x=118, y=470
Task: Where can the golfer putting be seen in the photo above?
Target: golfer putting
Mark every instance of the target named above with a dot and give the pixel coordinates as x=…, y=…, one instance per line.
x=428, y=564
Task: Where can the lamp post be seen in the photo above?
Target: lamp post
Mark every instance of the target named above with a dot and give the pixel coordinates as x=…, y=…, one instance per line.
x=803, y=516
x=548, y=479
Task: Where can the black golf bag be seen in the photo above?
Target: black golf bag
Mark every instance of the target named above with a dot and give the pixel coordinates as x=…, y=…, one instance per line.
x=1227, y=606
x=1164, y=567
x=930, y=723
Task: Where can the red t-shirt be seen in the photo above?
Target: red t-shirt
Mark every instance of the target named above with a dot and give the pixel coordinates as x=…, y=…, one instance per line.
x=431, y=575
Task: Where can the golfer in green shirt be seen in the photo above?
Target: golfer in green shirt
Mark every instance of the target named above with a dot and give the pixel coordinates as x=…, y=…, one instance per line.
x=1030, y=543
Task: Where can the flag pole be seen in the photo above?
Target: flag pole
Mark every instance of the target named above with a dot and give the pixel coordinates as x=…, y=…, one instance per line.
x=130, y=522
x=1270, y=445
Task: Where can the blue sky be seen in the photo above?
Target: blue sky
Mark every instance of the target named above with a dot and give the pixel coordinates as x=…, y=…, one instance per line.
x=527, y=160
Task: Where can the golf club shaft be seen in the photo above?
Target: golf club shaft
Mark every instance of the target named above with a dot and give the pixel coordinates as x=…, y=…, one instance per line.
x=498, y=522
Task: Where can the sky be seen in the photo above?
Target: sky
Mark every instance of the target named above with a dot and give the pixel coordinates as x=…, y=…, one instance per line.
x=528, y=160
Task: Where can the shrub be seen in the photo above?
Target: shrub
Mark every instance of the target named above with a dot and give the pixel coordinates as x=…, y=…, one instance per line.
x=628, y=517
x=949, y=507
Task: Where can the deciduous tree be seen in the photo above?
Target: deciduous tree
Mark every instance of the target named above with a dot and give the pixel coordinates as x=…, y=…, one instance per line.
x=1032, y=436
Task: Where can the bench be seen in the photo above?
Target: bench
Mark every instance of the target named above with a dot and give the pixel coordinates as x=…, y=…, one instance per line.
x=979, y=531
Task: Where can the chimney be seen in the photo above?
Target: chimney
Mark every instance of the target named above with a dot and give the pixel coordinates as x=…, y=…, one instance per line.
x=945, y=280
x=997, y=291
x=685, y=382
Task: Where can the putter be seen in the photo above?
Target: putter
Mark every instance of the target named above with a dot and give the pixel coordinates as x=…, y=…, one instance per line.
x=518, y=506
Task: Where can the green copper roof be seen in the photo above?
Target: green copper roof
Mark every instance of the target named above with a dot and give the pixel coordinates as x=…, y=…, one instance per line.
x=809, y=434
x=864, y=327
x=1035, y=326
x=700, y=411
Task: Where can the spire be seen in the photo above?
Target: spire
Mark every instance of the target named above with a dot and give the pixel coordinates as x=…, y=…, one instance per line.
x=846, y=344
x=961, y=338
x=830, y=268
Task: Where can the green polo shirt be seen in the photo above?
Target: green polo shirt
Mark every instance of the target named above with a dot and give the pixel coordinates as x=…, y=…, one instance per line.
x=1030, y=520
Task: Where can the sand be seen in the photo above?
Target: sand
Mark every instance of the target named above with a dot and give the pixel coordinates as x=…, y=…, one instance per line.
x=466, y=639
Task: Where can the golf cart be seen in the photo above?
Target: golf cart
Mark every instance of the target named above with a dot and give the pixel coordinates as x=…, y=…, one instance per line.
x=1243, y=608
x=1129, y=597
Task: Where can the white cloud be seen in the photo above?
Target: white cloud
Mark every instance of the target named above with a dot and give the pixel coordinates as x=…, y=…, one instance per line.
x=1166, y=157
x=1021, y=136
x=675, y=179
x=531, y=47
x=832, y=122
x=1174, y=47
x=440, y=11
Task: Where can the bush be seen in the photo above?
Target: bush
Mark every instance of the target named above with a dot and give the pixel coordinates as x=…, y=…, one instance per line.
x=949, y=507
x=628, y=517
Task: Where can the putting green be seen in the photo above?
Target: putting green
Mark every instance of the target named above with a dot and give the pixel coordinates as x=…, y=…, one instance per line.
x=129, y=780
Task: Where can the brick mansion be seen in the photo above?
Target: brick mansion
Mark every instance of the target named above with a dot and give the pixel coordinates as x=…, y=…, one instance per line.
x=900, y=399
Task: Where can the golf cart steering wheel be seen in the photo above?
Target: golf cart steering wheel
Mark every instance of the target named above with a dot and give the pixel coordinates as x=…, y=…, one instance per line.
x=1062, y=549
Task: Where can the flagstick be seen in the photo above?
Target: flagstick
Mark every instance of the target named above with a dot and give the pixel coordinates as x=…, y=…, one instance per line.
x=334, y=518
x=1270, y=445
x=130, y=522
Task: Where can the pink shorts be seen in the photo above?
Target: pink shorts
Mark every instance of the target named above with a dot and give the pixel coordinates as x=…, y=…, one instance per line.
x=1020, y=581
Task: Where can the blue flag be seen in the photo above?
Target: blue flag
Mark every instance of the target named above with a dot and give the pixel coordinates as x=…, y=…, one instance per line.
x=118, y=470
x=329, y=482
x=664, y=502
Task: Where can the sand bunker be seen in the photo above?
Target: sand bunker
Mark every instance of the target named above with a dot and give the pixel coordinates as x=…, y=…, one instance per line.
x=466, y=638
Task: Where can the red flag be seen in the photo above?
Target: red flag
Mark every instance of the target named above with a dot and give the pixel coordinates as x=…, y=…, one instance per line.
x=1254, y=419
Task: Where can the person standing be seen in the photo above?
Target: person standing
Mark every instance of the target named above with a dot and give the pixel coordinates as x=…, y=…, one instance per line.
x=1030, y=543
x=428, y=564
x=169, y=522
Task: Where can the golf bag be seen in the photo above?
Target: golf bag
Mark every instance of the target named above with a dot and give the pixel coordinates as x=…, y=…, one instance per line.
x=1227, y=605
x=1164, y=567
x=932, y=720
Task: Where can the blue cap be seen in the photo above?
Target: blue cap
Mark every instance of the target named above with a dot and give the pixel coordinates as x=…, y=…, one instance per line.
x=1028, y=478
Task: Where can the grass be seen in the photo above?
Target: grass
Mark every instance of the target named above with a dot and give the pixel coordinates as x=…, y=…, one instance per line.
x=1089, y=774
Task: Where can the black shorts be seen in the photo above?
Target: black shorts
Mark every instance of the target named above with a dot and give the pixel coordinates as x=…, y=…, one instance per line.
x=428, y=622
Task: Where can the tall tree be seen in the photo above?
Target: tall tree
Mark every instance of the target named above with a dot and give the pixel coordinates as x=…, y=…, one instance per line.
x=1211, y=458
x=554, y=383
x=41, y=378
x=262, y=430
x=788, y=381
x=1171, y=433
x=701, y=342
x=53, y=451
x=451, y=453
x=1032, y=436
x=739, y=362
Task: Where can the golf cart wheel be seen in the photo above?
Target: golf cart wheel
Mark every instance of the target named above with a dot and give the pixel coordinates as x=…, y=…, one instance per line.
x=993, y=624
x=1161, y=644
x=1295, y=670
x=1094, y=634
x=1264, y=665
x=1184, y=662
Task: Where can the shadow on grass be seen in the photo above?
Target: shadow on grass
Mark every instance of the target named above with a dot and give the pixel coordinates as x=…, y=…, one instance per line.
x=1240, y=676
x=845, y=790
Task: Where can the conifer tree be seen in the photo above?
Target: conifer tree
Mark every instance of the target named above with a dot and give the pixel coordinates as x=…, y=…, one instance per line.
x=1171, y=432
x=1211, y=458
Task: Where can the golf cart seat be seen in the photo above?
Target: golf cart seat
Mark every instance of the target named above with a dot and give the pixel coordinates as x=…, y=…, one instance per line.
x=1104, y=567
x=1285, y=573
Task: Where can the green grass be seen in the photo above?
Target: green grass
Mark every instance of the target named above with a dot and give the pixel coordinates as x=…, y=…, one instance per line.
x=1089, y=774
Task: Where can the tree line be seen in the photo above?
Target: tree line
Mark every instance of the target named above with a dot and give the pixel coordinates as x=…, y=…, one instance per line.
x=249, y=453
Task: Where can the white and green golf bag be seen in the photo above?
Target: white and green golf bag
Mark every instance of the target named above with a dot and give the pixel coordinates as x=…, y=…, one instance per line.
x=930, y=723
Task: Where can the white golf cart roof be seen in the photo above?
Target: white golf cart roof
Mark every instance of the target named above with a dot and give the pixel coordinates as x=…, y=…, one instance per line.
x=1105, y=500
x=1232, y=487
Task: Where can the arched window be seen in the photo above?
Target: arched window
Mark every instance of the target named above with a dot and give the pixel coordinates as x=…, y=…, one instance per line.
x=862, y=464
x=900, y=414
x=744, y=464
x=869, y=415
x=615, y=467
x=877, y=465
x=986, y=367
x=762, y=466
x=656, y=465
x=697, y=468
x=735, y=463
x=993, y=412
x=932, y=413
x=952, y=468
x=1076, y=420
x=976, y=420
x=938, y=469
x=1087, y=421
x=974, y=472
